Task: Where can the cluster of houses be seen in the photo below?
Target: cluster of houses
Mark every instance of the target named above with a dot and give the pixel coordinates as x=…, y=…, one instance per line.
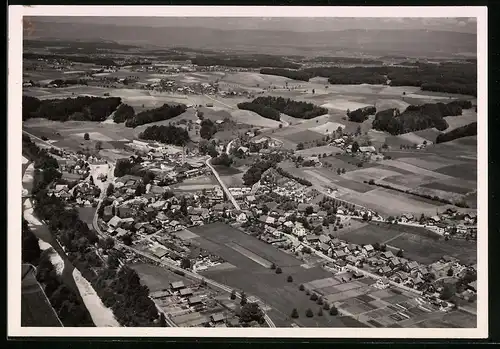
x=83, y=194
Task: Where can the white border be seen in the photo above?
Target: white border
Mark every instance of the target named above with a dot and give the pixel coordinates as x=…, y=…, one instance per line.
x=15, y=35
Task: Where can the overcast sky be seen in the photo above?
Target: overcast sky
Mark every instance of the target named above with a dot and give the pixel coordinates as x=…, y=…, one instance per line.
x=467, y=25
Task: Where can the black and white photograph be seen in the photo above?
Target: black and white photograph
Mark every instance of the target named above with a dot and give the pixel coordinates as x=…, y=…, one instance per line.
x=246, y=171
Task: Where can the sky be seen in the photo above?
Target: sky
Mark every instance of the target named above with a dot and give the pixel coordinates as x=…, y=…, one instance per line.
x=302, y=24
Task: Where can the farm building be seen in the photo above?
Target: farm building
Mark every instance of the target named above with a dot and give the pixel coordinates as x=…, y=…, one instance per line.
x=177, y=285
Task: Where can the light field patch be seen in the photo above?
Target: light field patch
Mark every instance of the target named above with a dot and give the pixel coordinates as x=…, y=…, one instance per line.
x=366, y=174
x=327, y=128
x=95, y=136
x=250, y=255
x=342, y=104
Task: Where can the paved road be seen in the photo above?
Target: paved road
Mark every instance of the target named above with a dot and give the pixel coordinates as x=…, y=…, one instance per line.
x=224, y=187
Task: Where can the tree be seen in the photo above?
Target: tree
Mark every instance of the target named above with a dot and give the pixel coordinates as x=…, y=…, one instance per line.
x=447, y=292
x=333, y=310
x=326, y=306
x=208, y=129
x=449, y=272
x=233, y=295
x=141, y=189
x=30, y=246
x=399, y=253
x=273, y=266
x=343, y=170
x=301, y=287
x=86, y=136
x=309, y=210
x=320, y=301
x=278, y=270
x=289, y=278
x=309, y=313
x=110, y=189
x=355, y=147
x=185, y=263
x=300, y=146
x=314, y=297
x=243, y=297
x=320, y=312
x=339, y=171
x=295, y=313
x=251, y=312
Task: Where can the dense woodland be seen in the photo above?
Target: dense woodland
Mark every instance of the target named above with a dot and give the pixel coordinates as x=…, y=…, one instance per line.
x=254, y=173
x=256, y=61
x=361, y=114
x=446, y=77
x=166, y=134
x=460, y=132
x=301, y=110
x=345, y=60
x=66, y=82
x=165, y=112
x=82, y=108
x=123, y=113
x=262, y=110
x=288, y=73
x=119, y=289
x=417, y=117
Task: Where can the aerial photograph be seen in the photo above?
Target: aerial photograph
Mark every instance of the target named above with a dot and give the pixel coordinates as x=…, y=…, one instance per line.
x=249, y=172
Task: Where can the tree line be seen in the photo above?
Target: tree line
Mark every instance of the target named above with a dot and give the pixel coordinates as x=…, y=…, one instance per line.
x=165, y=112
x=288, y=73
x=445, y=77
x=262, y=110
x=460, y=132
x=166, y=134
x=65, y=82
x=417, y=117
x=286, y=174
x=83, y=108
x=123, y=113
x=361, y=114
x=297, y=109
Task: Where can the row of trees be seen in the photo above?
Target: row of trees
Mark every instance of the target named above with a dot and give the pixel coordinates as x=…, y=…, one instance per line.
x=297, y=109
x=361, y=114
x=63, y=82
x=254, y=173
x=288, y=73
x=82, y=108
x=256, y=61
x=445, y=77
x=286, y=174
x=463, y=131
x=166, y=134
x=79, y=59
x=128, y=166
x=262, y=110
x=165, y=112
x=123, y=113
x=416, y=117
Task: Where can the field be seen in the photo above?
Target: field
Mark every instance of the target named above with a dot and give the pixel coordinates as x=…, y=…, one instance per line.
x=157, y=278
x=417, y=243
x=86, y=214
x=254, y=278
x=463, y=171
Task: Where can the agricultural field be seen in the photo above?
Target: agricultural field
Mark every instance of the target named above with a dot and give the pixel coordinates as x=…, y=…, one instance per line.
x=157, y=278
x=417, y=243
x=250, y=256
x=86, y=214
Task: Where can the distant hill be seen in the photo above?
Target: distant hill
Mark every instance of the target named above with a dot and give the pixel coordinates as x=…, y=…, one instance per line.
x=377, y=42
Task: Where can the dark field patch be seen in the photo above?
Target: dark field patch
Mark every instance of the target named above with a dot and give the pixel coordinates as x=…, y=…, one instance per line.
x=157, y=278
x=303, y=136
x=463, y=171
x=446, y=187
x=365, y=298
x=226, y=171
x=375, y=323
x=353, y=185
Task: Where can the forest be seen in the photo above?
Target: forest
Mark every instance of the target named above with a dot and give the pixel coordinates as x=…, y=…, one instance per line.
x=417, y=117
x=81, y=108
x=165, y=112
x=166, y=134
x=301, y=110
x=361, y=114
x=464, y=131
x=262, y=110
x=288, y=73
x=123, y=113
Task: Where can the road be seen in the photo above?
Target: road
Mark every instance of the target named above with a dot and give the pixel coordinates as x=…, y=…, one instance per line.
x=224, y=187
x=169, y=264
x=42, y=141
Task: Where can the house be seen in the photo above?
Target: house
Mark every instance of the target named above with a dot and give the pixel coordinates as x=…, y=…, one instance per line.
x=368, y=149
x=407, y=217
x=385, y=270
x=250, y=199
x=174, y=223
x=186, y=292
x=160, y=252
x=324, y=247
x=322, y=214
x=127, y=223
x=218, y=317
x=387, y=255
x=108, y=213
x=298, y=229
x=312, y=238
x=367, y=249
x=435, y=219
x=411, y=266
x=177, y=285
x=394, y=262
x=270, y=220
x=324, y=239
x=219, y=207
x=339, y=254
x=125, y=212
x=194, y=300
x=114, y=222
x=350, y=259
